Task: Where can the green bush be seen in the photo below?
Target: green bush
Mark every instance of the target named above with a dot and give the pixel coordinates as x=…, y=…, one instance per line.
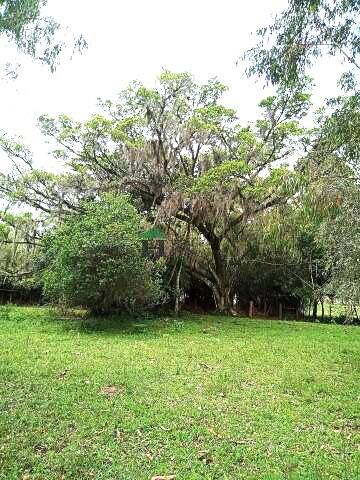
x=95, y=260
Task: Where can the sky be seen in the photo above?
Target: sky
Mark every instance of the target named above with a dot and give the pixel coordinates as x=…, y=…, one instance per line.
x=134, y=40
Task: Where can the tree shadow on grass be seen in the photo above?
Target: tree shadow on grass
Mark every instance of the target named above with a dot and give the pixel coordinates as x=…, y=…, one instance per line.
x=148, y=325
x=144, y=324
x=140, y=325
x=153, y=325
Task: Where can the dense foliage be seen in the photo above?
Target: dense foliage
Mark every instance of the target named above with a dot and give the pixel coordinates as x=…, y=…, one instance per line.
x=188, y=163
x=94, y=259
x=263, y=212
x=285, y=53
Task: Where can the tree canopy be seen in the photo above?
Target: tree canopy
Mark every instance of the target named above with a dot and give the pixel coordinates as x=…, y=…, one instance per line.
x=185, y=159
x=243, y=211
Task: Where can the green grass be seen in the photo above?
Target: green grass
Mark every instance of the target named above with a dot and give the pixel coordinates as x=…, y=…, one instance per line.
x=202, y=397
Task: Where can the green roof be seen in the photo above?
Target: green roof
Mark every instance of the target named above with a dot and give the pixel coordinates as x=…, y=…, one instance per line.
x=153, y=234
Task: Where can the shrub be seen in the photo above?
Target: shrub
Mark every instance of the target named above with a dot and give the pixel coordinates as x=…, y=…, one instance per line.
x=94, y=259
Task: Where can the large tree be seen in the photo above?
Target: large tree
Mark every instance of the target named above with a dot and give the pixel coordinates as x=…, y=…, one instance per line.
x=187, y=162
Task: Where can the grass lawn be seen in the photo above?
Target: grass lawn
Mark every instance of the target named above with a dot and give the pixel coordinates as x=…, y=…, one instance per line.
x=203, y=397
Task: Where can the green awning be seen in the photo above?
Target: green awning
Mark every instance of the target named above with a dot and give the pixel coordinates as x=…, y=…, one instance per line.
x=153, y=234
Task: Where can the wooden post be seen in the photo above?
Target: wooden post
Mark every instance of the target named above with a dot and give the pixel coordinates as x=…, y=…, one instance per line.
x=280, y=310
x=251, y=309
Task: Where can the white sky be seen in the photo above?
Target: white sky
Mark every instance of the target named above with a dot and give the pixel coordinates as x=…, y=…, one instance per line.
x=136, y=39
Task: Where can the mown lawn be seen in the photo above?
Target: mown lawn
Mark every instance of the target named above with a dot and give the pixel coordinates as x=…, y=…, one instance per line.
x=202, y=397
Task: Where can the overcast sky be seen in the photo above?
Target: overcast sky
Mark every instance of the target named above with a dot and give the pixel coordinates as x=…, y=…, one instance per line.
x=136, y=39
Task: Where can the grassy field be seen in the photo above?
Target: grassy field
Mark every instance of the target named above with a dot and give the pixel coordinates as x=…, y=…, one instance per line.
x=202, y=397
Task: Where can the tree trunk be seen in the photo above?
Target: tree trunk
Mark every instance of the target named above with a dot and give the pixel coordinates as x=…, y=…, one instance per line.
x=222, y=289
x=218, y=278
x=314, y=314
x=223, y=299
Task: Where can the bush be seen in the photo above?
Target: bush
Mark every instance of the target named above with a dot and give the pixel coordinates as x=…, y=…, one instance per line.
x=94, y=259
